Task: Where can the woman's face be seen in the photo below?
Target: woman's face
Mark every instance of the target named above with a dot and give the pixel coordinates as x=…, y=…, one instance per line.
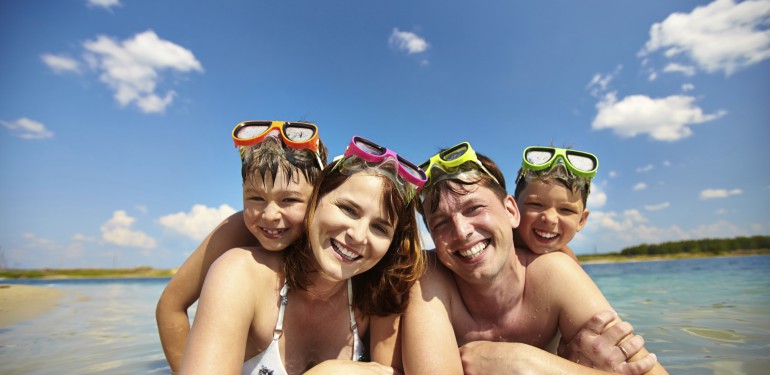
x=350, y=231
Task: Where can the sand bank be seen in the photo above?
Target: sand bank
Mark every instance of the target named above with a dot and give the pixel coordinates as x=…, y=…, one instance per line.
x=22, y=302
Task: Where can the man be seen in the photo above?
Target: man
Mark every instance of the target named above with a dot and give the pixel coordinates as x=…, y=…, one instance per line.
x=500, y=306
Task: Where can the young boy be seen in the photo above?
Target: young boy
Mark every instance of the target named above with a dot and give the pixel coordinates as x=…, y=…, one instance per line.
x=280, y=162
x=551, y=192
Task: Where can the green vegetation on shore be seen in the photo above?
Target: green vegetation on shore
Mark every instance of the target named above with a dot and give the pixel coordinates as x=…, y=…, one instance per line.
x=84, y=273
x=687, y=249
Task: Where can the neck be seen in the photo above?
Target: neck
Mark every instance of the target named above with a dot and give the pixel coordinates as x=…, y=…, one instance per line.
x=323, y=289
x=495, y=297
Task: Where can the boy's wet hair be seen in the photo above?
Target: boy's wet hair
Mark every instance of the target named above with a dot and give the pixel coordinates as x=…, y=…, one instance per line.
x=432, y=196
x=271, y=156
x=558, y=174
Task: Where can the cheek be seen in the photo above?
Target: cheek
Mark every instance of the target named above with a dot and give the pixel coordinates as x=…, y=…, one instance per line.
x=296, y=214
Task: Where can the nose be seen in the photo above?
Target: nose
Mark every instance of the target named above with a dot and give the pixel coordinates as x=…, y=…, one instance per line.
x=357, y=232
x=272, y=212
x=548, y=216
x=462, y=227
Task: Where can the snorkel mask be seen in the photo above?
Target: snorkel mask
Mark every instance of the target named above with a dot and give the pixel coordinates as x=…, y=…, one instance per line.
x=541, y=161
x=295, y=136
x=362, y=154
x=457, y=162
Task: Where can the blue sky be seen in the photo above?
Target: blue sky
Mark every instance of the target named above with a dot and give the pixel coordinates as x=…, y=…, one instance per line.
x=115, y=115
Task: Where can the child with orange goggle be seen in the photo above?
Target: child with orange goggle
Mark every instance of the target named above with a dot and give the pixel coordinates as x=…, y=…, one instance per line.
x=280, y=163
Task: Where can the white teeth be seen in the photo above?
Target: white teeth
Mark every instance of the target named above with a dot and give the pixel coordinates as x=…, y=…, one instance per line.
x=475, y=250
x=341, y=250
x=546, y=234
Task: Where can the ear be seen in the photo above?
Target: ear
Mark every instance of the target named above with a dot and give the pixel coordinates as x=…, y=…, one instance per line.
x=513, y=211
x=583, y=219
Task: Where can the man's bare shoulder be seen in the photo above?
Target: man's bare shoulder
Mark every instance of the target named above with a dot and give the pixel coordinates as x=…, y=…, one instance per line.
x=550, y=269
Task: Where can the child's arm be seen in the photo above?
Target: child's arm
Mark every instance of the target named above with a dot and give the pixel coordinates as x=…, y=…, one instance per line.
x=185, y=287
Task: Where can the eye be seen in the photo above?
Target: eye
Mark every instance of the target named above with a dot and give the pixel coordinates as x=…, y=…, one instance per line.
x=437, y=225
x=256, y=198
x=534, y=204
x=381, y=229
x=347, y=210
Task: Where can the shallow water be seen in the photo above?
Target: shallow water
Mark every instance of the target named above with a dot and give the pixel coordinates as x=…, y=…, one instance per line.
x=704, y=316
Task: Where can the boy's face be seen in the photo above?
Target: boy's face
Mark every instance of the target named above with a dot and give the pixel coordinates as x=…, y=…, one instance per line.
x=551, y=214
x=274, y=211
x=473, y=231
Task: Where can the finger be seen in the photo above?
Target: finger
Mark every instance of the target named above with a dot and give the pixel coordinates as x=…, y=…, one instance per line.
x=633, y=345
x=618, y=332
x=641, y=366
x=600, y=320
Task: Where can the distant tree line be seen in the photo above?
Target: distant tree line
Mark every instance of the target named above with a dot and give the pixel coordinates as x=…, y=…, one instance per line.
x=712, y=246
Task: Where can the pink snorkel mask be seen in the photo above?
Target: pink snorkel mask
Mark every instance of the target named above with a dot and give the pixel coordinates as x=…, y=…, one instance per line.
x=362, y=154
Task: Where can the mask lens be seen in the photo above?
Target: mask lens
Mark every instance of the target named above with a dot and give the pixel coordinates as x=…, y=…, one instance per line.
x=252, y=130
x=369, y=148
x=298, y=133
x=410, y=168
x=581, y=162
x=456, y=153
x=539, y=157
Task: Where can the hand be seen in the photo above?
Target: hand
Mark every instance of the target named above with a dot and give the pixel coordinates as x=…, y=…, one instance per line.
x=608, y=348
x=342, y=366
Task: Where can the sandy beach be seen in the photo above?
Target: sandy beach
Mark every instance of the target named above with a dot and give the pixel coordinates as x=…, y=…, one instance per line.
x=22, y=302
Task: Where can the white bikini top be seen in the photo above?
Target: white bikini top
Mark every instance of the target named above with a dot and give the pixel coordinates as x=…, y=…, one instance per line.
x=269, y=361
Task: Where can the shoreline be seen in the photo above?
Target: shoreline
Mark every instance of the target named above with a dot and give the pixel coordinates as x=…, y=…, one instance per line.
x=19, y=303
x=606, y=258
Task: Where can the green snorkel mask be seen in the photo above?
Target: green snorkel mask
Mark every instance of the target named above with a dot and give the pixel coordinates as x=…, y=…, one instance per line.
x=576, y=164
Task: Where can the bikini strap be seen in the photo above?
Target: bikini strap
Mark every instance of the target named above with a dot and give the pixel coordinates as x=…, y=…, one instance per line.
x=353, y=324
x=279, y=325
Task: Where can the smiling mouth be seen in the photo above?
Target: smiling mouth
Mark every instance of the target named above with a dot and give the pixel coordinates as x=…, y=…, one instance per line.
x=272, y=232
x=475, y=250
x=344, y=252
x=545, y=236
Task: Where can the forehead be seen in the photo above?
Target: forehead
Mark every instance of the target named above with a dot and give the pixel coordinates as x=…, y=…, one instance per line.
x=454, y=195
x=281, y=180
x=551, y=189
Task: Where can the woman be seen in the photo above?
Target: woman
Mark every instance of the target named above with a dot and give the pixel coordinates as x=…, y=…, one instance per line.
x=306, y=309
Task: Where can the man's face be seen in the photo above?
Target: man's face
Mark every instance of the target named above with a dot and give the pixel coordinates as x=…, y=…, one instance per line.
x=473, y=230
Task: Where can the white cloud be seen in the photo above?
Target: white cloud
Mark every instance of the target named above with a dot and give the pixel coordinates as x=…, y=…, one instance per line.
x=664, y=119
x=718, y=193
x=28, y=129
x=600, y=83
x=61, y=64
x=720, y=211
x=688, y=87
x=118, y=231
x=597, y=198
x=644, y=169
x=197, y=223
x=613, y=174
x=687, y=70
x=720, y=36
x=407, y=41
x=640, y=186
x=666, y=163
x=132, y=68
x=657, y=207
x=106, y=4
x=725, y=229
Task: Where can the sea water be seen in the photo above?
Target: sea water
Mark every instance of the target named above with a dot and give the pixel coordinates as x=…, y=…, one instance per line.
x=700, y=316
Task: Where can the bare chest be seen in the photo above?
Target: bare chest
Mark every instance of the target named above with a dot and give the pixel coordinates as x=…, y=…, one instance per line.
x=527, y=324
